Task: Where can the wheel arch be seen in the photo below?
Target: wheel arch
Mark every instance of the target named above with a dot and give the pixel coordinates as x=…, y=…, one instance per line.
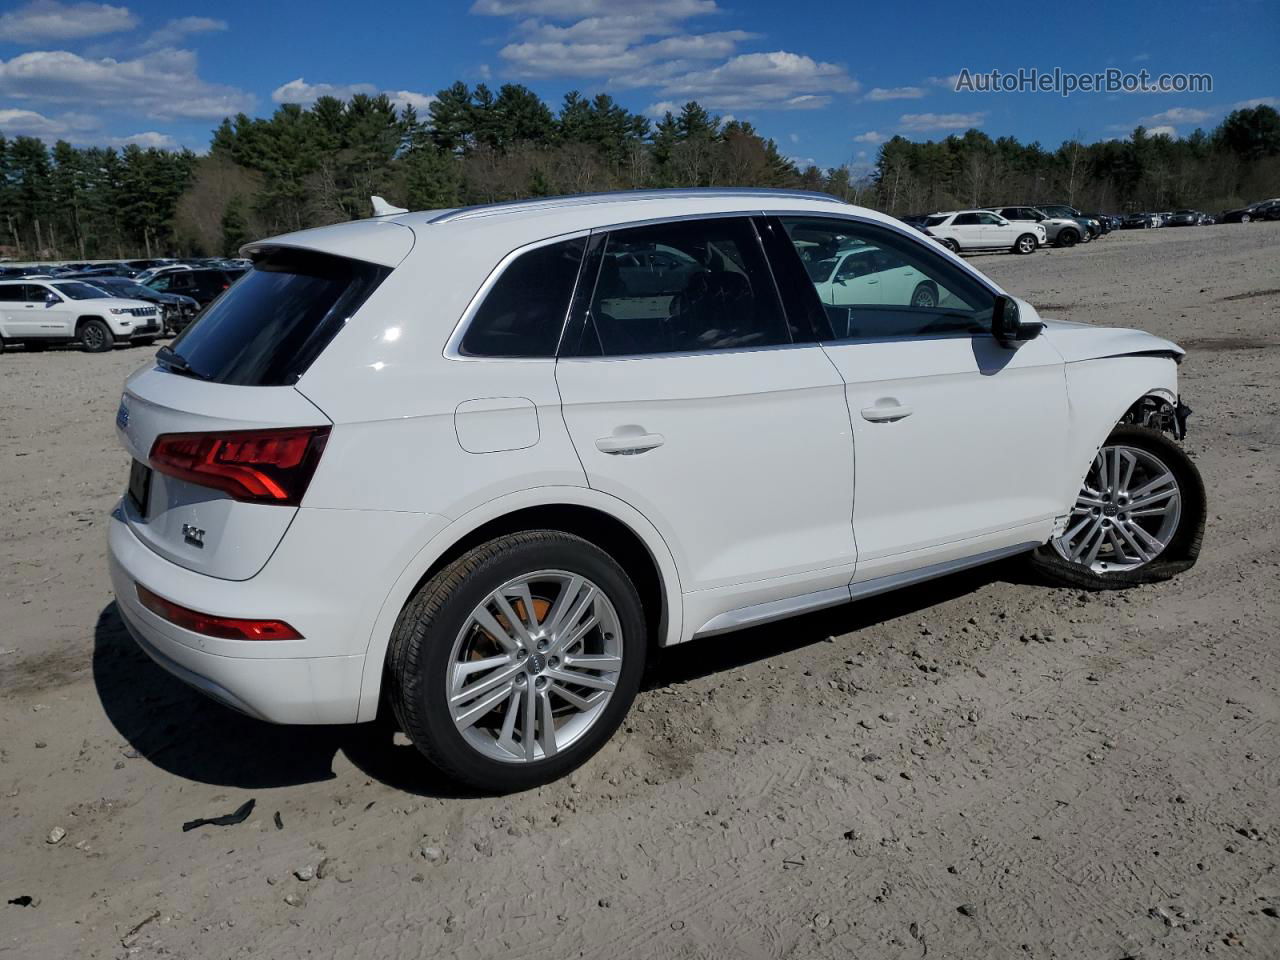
x=85, y=318
x=1099, y=394
x=606, y=521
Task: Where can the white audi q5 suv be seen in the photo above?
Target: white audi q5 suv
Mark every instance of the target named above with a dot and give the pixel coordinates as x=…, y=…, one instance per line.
x=474, y=464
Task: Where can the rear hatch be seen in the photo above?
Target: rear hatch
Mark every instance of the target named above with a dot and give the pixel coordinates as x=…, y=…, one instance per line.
x=223, y=444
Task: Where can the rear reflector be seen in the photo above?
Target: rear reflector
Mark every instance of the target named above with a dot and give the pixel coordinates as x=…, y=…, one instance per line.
x=256, y=466
x=225, y=628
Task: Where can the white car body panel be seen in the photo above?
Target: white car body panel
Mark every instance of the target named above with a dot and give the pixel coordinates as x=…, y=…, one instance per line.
x=767, y=492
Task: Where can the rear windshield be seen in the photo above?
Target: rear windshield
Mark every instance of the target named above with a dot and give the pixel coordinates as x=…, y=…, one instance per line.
x=273, y=322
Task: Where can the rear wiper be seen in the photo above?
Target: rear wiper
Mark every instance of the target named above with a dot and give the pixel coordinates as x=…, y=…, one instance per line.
x=176, y=363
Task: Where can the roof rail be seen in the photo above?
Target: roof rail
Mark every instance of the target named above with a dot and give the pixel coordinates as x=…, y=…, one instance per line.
x=613, y=196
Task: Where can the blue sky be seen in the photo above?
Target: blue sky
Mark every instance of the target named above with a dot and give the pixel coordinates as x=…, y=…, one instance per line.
x=829, y=82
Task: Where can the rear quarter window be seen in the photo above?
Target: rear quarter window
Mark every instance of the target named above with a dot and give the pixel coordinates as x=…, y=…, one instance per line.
x=524, y=311
x=272, y=324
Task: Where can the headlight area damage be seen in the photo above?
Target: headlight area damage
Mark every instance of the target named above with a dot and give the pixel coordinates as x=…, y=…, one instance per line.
x=1157, y=413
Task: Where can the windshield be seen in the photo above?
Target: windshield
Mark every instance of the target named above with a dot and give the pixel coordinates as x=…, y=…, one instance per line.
x=126, y=288
x=80, y=291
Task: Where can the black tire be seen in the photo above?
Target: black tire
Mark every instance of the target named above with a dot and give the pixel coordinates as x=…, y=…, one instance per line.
x=95, y=336
x=1245, y=218
x=1025, y=244
x=1068, y=238
x=1184, y=546
x=952, y=246
x=925, y=294
x=421, y=645
x=3, y=344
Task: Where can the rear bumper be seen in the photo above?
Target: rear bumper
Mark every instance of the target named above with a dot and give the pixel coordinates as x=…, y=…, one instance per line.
x=242, y=675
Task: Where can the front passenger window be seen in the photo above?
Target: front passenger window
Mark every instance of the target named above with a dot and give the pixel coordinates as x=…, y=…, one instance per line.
x=896, y=287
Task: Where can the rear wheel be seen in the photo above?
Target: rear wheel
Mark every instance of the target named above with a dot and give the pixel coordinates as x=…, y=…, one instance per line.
x=1026, y=244
x=518, y=661
x=1139, y=516
x=1245, y=218
x=96, y=336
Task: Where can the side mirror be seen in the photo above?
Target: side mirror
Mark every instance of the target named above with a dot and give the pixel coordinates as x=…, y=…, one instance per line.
x=50, y=298
x=1008, y=327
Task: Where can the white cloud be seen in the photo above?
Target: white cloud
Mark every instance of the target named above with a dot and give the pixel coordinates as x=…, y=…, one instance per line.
x=871, y=136
x=1178, y=115
x=1256, y=102
x=150, y=138
x=651, y=46
x=895, y=93
x=163, y=84
x=420, y=102
x=949, y=82
x=860, y=155
x=29, y=123
x=569, y=9
x=778, y=80
x=175, y=31
x=940, y=121
x=1165, y=131
x=51, y=20
x=299, y=91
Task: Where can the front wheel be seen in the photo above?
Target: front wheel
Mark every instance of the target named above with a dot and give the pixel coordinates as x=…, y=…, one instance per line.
x=1068, y=238
x=952, y=246
x=1139, y=517
x=518, y=661
x=96, y=337
x=1245, y=218
x=1026, y=244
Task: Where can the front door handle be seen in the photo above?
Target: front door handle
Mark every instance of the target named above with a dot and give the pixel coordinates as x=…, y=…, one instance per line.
x=629, y=444
x=886, y=410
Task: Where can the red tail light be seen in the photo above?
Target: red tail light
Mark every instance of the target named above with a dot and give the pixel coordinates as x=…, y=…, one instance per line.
x=226, y=628
x=256, y=466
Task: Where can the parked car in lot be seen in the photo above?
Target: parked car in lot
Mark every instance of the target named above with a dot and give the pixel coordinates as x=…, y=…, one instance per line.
x=176, y=311
x=1138, y=221
x=975, y=230
x=1184, y=218
x=473, y=464
x=1089, y=224
x=201, y=284
x=1268, y=210
x=1060, y=231
x=38, y=313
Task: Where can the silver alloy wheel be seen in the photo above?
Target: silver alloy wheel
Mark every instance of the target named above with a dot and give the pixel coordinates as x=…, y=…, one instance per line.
x=92, y=336
x=534, y=666
x=924, y=297
x=1026, y=244
x=1126, y=513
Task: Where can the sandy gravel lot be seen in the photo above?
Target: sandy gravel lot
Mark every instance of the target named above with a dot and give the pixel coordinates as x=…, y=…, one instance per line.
x=980, y=767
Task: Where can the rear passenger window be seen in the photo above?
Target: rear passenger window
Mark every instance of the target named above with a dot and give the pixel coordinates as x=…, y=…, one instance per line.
x=525, y=309
x=680, y=287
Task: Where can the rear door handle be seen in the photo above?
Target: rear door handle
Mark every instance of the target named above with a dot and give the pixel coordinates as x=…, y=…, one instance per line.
x=886, y=410
x=629, y=444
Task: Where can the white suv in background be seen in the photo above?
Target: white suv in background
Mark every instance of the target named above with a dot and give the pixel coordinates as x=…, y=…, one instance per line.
x=973, y=230
x=473, y=464
x=38, y=312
